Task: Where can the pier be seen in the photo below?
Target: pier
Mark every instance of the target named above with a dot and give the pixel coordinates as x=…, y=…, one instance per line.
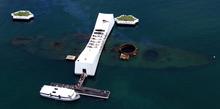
x=97, y=93
x=86, y=91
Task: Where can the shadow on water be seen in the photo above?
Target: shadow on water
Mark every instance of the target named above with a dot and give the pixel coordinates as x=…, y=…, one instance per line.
x=23, y=20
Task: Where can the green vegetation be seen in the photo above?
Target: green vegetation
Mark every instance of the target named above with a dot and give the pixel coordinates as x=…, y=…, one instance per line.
x=126, y=18
x=22, y=13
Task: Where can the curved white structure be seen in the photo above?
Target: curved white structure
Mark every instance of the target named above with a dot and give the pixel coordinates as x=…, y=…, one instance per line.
x=15, y=15
x=59, y=93
x=88, y=60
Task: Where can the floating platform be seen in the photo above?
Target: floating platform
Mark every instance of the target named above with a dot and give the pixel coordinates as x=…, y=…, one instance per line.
x=97, y=93
x=126, y=20
x=22, y=15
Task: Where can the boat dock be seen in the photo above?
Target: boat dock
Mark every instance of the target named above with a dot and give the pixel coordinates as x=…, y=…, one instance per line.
x=86, y=91
x=97, y=93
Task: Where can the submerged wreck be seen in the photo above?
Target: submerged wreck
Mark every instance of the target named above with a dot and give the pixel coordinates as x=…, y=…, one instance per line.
x=153, y=56
x=156, y=56
x=127, y=50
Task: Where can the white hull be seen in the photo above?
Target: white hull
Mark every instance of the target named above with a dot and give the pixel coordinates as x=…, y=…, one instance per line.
x=59, y=93
x=59, y=98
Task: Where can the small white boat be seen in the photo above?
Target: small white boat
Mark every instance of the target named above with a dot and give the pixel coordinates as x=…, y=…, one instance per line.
x=59, y=93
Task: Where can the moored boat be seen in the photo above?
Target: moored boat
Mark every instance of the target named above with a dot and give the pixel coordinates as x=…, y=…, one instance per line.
x=59, y=93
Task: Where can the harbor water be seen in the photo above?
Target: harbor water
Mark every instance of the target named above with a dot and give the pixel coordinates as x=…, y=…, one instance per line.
x=31, y=53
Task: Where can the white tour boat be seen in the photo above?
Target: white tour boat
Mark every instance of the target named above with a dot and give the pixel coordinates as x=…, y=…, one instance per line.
x=59, y=93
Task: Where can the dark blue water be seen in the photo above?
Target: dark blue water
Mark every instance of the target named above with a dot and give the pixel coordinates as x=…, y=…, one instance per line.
x=184, y=24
